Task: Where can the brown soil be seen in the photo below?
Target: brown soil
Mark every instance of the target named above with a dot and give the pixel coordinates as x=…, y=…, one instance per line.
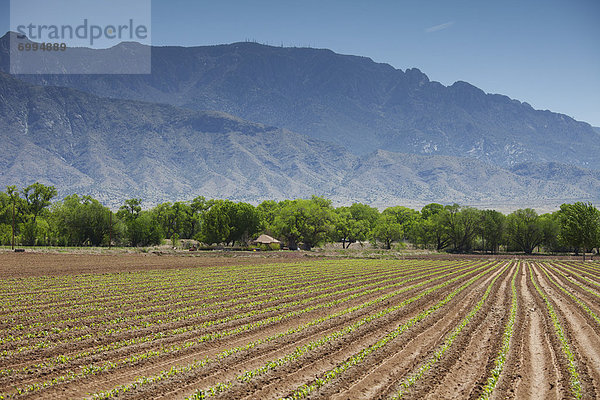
x=17, y=265
x=72, y=292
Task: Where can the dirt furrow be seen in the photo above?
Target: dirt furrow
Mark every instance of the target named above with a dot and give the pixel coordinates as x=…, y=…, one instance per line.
x=505, y=387
x=159, y=302
x=126, y=375
x=377, y=377
x=274, y=383
x=538, y=376
x=583, y=335
x=462, y=371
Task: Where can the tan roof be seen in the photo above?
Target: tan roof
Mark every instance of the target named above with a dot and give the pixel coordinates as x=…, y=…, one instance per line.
x=266, y=239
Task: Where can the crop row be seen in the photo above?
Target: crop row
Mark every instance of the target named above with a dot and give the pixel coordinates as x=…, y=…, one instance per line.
x=509, y=330
x=168, y=291
x=572, y=296
x=93, y=369
x=558, y=329
x=427, y=365
x=219, y=311
x=277, y=293
x=380, y=285
x=109, y=295
x=182, y=369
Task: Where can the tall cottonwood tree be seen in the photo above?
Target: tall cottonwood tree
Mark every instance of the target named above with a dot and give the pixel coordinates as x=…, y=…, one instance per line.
x=462, y=225
x=525, y=230
x=580, y=225
x=306, y=221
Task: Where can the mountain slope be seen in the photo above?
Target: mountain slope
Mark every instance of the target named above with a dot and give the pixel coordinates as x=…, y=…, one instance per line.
x=118, y=149
x=403, y=178
x=115, y=149
x=346, y=100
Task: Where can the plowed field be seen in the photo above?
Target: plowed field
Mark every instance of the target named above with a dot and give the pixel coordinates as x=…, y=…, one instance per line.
x=320, y=329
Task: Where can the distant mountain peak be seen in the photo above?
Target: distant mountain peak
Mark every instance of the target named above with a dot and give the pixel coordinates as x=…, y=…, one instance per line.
x=115, y=149
x=348, y=100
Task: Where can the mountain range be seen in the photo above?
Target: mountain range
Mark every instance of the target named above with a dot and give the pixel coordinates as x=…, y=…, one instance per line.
x=339, y=126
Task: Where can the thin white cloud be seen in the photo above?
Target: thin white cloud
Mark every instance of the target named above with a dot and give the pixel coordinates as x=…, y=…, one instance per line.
x=439, y=27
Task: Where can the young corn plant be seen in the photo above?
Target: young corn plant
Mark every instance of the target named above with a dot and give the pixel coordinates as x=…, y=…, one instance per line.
x=558, y=329
x=506, y=337
x=305, y=390
x=220, y=387
x=407, y=383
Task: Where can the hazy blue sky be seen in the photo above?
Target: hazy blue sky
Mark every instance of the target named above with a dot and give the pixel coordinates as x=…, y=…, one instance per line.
x=545, y=52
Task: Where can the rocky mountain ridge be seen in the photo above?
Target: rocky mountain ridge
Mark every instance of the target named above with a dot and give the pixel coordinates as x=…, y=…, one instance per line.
x=348, y=101
x=118, y=149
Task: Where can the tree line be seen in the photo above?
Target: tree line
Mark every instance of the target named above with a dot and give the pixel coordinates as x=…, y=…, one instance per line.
x=300, y=223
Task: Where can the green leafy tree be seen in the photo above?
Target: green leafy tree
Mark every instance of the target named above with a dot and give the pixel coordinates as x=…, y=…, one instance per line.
x=245, y=223
x=5, y=219
x=492, y=230
x=163, y=214
x=306, y=221
x=462, y=225
x=5, y=209
x=268, y=210
x=553, y=240
x=175, y=240
x=13, y=206
x=176, y=218
x=130, y=210
x=144, y=230
x=181, y=212
x=387, y=230
x=37, y=200
x=362, y=212
x=217, y=223
x=348, y=229
x=79, y=221
x=194, y=216
x=407, y=218
x=525, y=230
x=431, y=230
x=580, y=225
